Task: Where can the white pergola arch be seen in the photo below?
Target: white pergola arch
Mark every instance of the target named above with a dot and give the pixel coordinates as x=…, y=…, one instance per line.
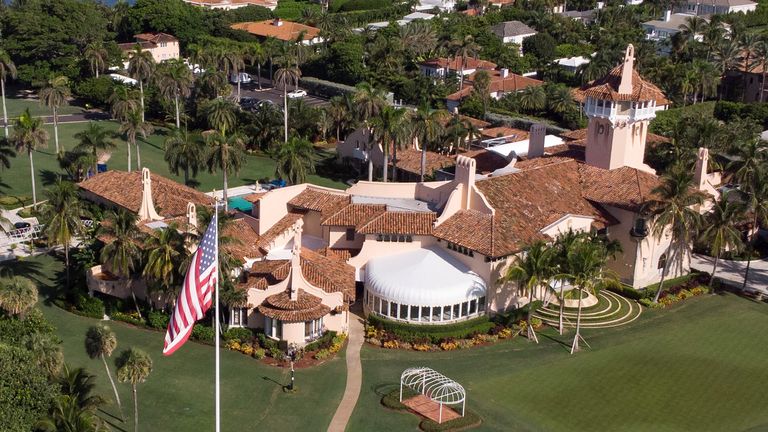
x=434, y=385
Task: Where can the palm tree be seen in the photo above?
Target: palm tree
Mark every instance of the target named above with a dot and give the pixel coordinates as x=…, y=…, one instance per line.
x=101, y=341
x=166, y=253
x=720, y=230
x=225, y=153
x=122, y=102
x=17, y=295
x=140, y=66
x=54, y=95
x=256, y=55
x=295, y=160
x=67, y=415
x=94, y=139
x=174, y=80
x=97, y=56
x=234, y=62
x=692, y=27
x=121, y=252
x=368, y=101
x=389, y=129
x=132, y=125
x=533, y=98
x=221, y=115
x=338, y=113
x=134, y=366
x=183, y=152
x=285, y=76
x=80, y=385
x=674, y=211
x=532, y=271
x=427, y=128
x=29, y=135
x=750, y=45
x=46, y=351
x=585, y=271
x=63, y=211
x=7, y=70
x=6, y=153
x=559, y=99
x=464, y=48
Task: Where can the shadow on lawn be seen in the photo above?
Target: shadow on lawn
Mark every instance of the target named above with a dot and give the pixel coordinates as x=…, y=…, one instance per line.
x=563, y=344
x=29, y=269
x=113, y=420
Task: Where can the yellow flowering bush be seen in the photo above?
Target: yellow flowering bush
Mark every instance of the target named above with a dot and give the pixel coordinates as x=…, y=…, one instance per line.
x=391, y=344
x=448, y=345
x=421, y=347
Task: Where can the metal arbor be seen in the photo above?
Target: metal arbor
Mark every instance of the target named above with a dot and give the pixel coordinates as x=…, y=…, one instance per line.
x=434, y=385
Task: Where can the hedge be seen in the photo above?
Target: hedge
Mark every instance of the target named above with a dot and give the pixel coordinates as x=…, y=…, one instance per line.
x=324, y=88
x=649, y=292
x=323, y=342
x=522, y=122
x=363, y=5
x=435, y=333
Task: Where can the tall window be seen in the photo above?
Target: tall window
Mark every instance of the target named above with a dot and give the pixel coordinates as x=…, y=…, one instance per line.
x=273, y=328
x=239, y=317
x=313, y=329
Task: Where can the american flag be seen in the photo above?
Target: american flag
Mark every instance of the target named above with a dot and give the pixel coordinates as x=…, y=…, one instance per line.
x=195, y=297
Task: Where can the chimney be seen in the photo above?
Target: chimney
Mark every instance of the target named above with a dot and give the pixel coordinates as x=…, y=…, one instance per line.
x=147, y=209
x=701, y=168
x=191, y=215
x=536, y=140
x=504, y=72
x=466, y=169
x=277, y=22
x=625, y=87
x=667, y=15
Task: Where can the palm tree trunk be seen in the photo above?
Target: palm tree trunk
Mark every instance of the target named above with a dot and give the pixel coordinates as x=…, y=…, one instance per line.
x=394, y=163
x=258, y=72
x=575, y=346
x=385, y=165
x=32, y=173
x=714, y=270
x=562, y=306
x=129, y=156
x=114, y=387
x=178, y=116
x=56, y=128
x=138, y=154
x=285, y=110
x=338, y=132
x=750, y=250
x=271, y=71
x=186, y=176
x=5, y=110
x=423, y=159
x=661, y=282
x=135, y=410
x=141, y=93
x=226, y=204
x=66, y=260
x=238, y=86
x=370, y=168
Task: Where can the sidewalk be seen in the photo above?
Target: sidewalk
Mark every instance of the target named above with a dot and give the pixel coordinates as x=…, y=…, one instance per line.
x=733, y=271
x=354, y=375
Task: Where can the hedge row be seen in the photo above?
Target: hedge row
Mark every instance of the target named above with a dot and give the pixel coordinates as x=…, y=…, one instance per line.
x=324, y=88
x=649, y=292
x=435, y=333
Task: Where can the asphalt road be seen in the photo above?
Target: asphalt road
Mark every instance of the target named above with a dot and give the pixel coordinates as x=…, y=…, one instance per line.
x=273, y=94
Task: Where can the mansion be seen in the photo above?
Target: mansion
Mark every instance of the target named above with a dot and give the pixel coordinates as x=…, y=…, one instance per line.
x=428, y=252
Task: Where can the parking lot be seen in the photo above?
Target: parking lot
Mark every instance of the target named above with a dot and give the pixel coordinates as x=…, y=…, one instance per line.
x=274, y=95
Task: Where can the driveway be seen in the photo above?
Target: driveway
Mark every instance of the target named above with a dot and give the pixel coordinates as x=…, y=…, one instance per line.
x=733, y=271
x=274, y=95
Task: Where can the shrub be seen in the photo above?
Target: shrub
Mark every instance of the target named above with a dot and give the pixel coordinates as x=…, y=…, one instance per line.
x=421, y=347
x=276, y=353
x=158, y=320
x=258, y=353
x=265, y=342
x=324, y=88
x=391, y=400
x=130, y=318
x=203, y=333
x=432, y=333
x=96, y=90
x=324, y=341
x=14, y=331
x=90, y=306
x=391, y=344
x=242, y=334
x=322, y=354
x=627, y=291
x=449, y=345
x=470, y=419
x=360, y=5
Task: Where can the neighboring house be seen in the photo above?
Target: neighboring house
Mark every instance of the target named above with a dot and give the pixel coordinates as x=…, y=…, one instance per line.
x=442, y=5
x=442, y=67
x=663, y=29
x=751, y=86
x=232, y=4
x=572, y=64
x=278, y=28
x=512, y=32
x=711, y=7
x=401, y=22
x=502, y=82
x=586, y=17
x=162, y=46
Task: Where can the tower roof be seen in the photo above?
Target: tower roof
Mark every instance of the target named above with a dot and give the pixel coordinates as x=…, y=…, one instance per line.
x=622, y=83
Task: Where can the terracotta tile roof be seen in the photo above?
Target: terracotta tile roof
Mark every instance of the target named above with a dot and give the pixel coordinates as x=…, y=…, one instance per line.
x=278, y=228
x=486, y=161
x=399, y=222
x=469, y=228
x=581, y=134
x=455, y=63
x=625, y=187
x=155, y=38
x=607, y=88
x=321, y=201
x=254, y=197
x=510, y=84
x=287, y=31
x=124, y=189
x=244, y=239
x=305, y=307
x=329, y=274
x=355, y=215
x=503, y=131
x=339, y=253
x=480, y=124
x=410, y=160
x=130, y=46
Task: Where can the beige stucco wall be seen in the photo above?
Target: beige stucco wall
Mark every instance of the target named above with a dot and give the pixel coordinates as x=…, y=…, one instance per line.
x=312, y=224
x=337, y=238
x=568, y=223
x=274, y=205
x=374, y=249
x=612, y=147
x=169, y=51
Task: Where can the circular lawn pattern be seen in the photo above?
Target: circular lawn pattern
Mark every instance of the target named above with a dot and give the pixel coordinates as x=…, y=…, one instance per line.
x=611, y=310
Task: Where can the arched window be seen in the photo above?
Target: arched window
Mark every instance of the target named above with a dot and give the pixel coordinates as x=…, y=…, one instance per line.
x=662, y=261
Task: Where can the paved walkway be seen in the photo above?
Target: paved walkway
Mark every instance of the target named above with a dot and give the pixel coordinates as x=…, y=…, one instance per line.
x=354, y=375
x=733, y=271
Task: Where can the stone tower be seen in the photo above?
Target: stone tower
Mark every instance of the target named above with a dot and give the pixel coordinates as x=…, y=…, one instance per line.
x=619, y=107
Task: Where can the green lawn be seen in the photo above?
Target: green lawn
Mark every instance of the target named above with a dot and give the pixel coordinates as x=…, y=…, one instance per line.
x=697, y=366
x=15, y=107
x=178, y=395
x=17, y=181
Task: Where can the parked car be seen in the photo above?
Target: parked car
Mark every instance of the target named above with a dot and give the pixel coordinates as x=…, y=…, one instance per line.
x=22, y=226
x=243, y=77
x=296, y=94
x=248, y=102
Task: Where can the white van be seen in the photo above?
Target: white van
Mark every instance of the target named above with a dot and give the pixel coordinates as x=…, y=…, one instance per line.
x=243, y=77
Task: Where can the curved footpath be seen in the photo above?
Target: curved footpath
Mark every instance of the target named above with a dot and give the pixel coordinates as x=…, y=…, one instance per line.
x=354, y=376
x=733, y=271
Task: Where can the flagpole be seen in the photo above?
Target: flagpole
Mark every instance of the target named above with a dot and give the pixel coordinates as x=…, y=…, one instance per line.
x=217, y=329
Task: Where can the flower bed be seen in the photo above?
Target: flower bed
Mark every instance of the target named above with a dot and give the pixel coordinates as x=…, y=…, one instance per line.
x=417, y=340
x=260, y=347
x=674, y=296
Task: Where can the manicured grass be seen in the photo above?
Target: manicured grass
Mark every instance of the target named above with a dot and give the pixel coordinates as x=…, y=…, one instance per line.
x=17, y=105
x=178, y=395
x=694, y=366
x=17, y=181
